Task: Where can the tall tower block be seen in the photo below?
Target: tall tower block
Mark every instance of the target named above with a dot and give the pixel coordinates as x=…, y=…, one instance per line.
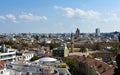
x=97, y=32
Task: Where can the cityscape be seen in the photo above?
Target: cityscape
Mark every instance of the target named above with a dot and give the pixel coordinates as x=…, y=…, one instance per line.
x=58, y=37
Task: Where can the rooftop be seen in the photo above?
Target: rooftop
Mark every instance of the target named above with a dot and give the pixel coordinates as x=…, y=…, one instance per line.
x=47, y=59
x=102, y=67
x=46, y=64
x=1, y=65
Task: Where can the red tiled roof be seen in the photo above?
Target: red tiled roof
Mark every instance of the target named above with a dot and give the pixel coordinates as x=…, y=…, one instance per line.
x=102, y=67
x=1, y=65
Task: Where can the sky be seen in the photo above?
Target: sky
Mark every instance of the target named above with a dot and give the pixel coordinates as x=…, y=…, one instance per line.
x=59, y=16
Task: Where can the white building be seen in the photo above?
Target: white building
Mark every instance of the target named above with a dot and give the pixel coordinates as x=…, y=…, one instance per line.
x=24, y=56
x=7, y=55
x=3, y=70
x=43, y=66
x=41, y=52
x=97, y=32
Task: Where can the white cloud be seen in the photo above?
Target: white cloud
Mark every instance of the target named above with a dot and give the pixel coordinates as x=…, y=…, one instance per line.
x=30, y=17
x=70, y=12
x=111, y=18
x=2, y=18
x=90, y=17
x=11, y=17
x=57, y=7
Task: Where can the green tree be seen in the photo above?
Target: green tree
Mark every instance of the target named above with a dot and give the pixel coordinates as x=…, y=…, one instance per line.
x=83, y=49
x=115, y=48
x=36, y=37
x=117, y=70
x=34, y=58
x=54, y=46
x=72, y=65
x=11, y=43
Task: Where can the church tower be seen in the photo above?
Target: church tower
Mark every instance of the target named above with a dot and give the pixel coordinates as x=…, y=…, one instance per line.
x=77, y=34
x=72, y=43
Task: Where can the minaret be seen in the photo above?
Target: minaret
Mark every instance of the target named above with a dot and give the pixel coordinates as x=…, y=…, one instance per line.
x=72, y=43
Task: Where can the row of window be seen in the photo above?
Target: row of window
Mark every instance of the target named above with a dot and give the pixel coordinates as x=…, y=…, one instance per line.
x=58, y=51
x=5, y=56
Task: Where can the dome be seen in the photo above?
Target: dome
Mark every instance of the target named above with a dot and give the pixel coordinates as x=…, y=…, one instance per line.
x=47, y=59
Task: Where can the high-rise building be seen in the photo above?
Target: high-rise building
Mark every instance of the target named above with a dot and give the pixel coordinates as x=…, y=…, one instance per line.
x=77, y=34
x=97, y=32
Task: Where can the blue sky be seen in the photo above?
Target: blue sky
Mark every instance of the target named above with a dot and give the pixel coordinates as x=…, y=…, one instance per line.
x=59, y=16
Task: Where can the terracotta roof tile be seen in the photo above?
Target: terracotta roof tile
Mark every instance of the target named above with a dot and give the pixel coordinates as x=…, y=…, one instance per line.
x=1, y=65
x=102, y=67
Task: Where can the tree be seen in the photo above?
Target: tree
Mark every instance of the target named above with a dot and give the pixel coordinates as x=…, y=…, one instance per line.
x=83, y=49
x=54, y=46
x=117, y=70
x=34, y=58
x=36, y=37
x=11, y=43
x=72, y=65
x=24, y=45
x=115, y=48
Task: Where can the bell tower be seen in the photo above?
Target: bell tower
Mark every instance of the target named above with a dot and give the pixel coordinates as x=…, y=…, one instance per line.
x=72, y=43
x=77, y=34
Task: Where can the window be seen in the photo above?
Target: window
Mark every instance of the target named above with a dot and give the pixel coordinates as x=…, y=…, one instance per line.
x=40, y=69
x=59, y=51
x=1, y=72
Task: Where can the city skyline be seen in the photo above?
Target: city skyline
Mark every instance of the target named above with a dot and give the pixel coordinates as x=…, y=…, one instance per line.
x=59, y=16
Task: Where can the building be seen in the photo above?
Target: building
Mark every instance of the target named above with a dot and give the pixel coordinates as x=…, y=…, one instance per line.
x=42, y=66
x=91, y=66
x=41, y=52
x=56, y=40
x=7, y=54
x=61, y=51
x=3, y=70
x=24, y=56
x=77, y=34
x=72, y=43
x=97, y=32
